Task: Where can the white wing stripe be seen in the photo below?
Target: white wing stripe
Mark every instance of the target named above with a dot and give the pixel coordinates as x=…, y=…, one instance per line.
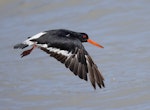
x=58, y=51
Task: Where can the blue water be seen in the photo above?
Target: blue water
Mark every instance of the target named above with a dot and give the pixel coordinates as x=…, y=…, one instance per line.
x=40, y=82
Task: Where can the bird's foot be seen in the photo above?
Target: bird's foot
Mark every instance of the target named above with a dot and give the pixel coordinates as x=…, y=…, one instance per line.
x=27, y=52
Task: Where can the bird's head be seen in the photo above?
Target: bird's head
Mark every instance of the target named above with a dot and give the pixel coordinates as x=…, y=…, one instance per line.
x=84, y=38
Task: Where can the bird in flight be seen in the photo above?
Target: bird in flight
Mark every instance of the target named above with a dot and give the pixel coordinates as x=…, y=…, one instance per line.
x=66, y=46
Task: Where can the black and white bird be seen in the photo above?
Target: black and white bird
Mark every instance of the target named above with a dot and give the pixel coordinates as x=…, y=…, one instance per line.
x=66, y=46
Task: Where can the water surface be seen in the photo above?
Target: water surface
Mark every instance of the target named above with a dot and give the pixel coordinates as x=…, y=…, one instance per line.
x=39, y=82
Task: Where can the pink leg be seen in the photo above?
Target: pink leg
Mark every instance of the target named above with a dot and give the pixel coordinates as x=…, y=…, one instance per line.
x=27, y=52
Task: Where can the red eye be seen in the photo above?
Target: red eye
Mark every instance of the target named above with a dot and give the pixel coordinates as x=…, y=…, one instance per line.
x=84, y=36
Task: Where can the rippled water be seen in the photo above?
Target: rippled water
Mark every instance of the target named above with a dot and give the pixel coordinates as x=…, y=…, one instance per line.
x=39, y=82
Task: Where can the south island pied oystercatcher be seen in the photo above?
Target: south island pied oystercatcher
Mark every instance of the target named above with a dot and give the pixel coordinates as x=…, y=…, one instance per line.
x=66, y=46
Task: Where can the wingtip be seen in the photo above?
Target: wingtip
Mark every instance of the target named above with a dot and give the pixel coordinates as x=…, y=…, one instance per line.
x=94, y=85
x=103, y=84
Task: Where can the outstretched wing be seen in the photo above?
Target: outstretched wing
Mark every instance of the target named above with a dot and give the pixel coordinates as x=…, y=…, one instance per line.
x=79, y=62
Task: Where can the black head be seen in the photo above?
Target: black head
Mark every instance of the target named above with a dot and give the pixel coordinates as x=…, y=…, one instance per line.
x=83, y=37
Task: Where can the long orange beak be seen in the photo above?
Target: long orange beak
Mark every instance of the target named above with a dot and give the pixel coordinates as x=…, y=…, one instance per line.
x=94, y=43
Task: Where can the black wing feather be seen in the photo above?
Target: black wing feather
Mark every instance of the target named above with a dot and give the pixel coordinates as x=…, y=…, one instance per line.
x=80, y=64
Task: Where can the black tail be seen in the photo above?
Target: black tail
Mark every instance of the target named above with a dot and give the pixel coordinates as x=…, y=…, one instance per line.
x=21, y=46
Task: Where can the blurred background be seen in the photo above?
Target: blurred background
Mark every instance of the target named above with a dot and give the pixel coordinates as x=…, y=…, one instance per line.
x=39, y=82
